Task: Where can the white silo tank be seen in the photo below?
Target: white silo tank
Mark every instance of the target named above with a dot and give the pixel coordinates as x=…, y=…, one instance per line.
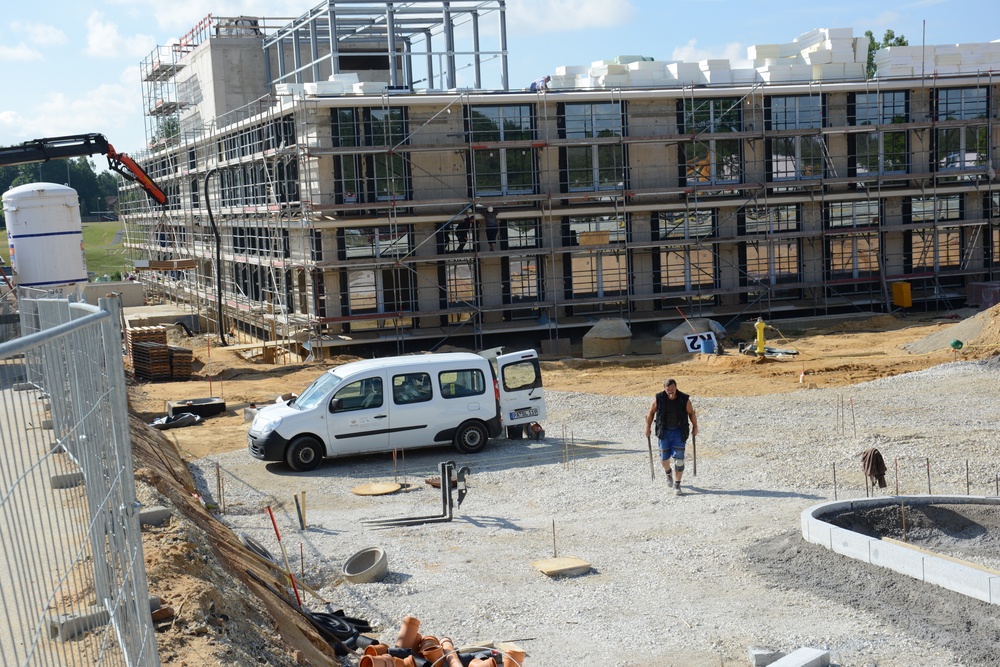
x=45, y=236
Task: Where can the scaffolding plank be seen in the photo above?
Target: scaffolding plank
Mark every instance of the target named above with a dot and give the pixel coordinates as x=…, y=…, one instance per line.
x=165, y=264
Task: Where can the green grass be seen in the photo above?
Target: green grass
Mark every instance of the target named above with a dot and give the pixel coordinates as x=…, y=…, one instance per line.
x=102, y=257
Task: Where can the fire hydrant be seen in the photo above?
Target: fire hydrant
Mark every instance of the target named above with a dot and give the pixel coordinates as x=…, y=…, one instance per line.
x=760, y=326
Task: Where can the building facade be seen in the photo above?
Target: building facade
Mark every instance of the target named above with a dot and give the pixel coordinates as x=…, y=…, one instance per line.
x=471, y=216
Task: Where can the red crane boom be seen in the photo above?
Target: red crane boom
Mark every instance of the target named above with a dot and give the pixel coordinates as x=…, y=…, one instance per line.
x=43, y=150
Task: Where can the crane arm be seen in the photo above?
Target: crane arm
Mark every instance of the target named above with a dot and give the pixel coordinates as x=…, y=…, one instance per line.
x=131, y=170
x=77, y=145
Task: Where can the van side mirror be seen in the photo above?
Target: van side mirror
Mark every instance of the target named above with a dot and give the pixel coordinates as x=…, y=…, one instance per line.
x=334, y=404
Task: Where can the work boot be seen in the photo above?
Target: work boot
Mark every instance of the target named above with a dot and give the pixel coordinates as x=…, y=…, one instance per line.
x=677, y=489
x=670, y=476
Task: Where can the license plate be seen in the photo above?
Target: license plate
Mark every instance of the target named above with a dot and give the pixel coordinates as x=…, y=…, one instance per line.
x=524, y=412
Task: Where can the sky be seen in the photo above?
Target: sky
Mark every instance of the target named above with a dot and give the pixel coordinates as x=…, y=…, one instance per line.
x=72, y=66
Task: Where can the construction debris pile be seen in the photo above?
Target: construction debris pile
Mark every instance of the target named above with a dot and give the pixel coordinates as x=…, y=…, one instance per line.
x=415, y=650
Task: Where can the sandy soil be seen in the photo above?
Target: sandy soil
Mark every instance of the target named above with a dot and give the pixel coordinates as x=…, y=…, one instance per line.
x=837, y=356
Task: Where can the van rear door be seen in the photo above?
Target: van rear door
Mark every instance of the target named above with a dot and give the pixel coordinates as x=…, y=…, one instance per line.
x=522, y=399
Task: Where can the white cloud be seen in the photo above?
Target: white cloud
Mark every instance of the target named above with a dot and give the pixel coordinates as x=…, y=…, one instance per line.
x=21, y=52
x=104, y=41
x=545, y=16
x=179, y=16
x=40, y=33
x=102, y=109
x=734, y=52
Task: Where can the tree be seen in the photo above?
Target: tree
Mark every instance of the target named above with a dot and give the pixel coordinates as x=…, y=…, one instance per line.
x=888, y=39
x=168, y=132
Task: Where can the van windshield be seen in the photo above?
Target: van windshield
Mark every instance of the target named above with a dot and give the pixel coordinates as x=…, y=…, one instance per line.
x=317, y=391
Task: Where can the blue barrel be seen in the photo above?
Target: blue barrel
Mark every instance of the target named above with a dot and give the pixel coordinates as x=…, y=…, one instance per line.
x=708, y=346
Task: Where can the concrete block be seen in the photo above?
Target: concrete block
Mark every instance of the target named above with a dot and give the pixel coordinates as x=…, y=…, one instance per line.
x=762, y=657
x=66, y=481
x=594, y=348
x=154, y=516
x=67, y=626
x=804, y=657
x=832, y=507
x=817, y=531
x=850, y=544
x=897, y=558
x=606, y=338
x=959, y=578
x=995, y=590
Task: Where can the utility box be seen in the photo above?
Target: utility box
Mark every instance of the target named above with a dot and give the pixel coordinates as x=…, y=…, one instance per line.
x=901, y=295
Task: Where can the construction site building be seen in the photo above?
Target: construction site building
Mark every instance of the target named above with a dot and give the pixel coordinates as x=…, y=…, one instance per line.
x=347, y=179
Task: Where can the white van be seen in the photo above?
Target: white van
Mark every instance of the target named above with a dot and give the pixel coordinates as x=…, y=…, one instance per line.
x=379, y=405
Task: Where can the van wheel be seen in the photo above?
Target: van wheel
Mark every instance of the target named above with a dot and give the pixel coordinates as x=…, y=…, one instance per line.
x=471, y=437
x=304, y=454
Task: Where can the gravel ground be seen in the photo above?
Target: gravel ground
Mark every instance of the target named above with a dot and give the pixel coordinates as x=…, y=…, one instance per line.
x=691, y=580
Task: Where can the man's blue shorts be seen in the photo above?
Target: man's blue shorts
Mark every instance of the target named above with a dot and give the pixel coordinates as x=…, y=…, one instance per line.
x=671, y=444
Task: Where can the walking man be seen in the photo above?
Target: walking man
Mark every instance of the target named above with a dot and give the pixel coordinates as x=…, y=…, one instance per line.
x=672, y=411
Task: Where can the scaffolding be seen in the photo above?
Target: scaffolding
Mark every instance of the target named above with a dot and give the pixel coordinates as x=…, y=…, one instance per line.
x=356, y=219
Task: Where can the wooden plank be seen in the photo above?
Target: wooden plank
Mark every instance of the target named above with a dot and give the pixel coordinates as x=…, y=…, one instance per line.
x=164, y=264
x=569, y=566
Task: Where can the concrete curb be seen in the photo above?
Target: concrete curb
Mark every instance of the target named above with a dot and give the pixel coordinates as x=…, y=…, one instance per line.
x=66, y=481
x=980, y=583
x=154, y=516
x=65, y=626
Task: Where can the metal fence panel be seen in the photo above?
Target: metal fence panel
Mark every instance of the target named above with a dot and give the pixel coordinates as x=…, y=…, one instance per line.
x=73, y=587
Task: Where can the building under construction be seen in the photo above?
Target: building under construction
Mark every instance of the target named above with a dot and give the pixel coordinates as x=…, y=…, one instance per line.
x=347, y=178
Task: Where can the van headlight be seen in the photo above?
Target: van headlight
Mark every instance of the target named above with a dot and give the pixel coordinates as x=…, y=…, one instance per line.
x=262, y=424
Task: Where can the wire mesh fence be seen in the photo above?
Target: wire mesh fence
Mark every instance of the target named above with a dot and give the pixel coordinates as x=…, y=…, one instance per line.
x=73, y=587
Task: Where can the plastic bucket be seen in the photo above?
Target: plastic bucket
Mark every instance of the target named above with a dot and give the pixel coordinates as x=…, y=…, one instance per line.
x=708, y=346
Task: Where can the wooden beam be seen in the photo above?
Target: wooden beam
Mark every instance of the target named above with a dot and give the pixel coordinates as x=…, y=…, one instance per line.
x=165, y=264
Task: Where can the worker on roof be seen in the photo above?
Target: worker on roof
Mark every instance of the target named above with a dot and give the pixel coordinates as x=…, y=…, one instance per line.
x=540, y=84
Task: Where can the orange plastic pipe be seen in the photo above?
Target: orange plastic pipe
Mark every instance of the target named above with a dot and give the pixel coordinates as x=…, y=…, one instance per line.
x=408, y=635
x=451, y=658
x=430, y=649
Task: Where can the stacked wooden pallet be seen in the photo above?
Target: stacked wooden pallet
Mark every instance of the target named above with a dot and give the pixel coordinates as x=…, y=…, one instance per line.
x=156, y=334
x=181, y=361
x=151, y=361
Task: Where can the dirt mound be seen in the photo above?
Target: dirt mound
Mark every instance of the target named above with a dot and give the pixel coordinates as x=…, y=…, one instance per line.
x=224, y=607
x=979, y=335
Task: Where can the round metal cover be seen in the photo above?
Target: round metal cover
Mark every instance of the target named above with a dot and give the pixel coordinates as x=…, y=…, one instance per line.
x=376, y=489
